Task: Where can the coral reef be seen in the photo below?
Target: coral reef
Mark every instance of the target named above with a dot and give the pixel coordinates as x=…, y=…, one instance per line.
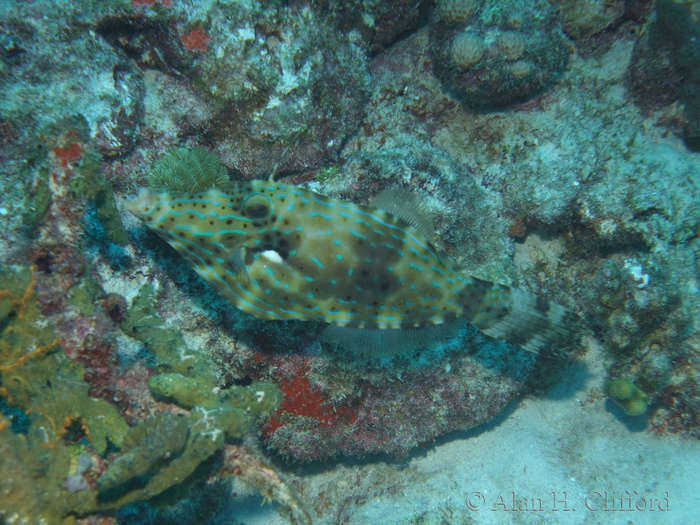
x=63, y=66
x=456, y=11
x=65, y=423
x=131, y=393
x=336, y=406
x=241, y=461
x=492, y=54
x=583, y=20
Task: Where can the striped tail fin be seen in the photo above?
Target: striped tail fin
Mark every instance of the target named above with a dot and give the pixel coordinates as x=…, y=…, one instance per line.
x=522, y=318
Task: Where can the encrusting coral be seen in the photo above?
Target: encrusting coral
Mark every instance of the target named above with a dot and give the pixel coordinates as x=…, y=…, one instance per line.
x=493, y=54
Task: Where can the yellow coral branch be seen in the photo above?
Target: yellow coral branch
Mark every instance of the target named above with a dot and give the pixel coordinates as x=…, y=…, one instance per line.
x=37, y=351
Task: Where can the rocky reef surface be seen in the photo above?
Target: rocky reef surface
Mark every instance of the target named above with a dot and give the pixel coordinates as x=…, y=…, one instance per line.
x=554, y=143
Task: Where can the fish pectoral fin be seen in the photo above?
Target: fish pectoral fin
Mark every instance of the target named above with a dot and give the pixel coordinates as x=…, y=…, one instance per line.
x=237, y=264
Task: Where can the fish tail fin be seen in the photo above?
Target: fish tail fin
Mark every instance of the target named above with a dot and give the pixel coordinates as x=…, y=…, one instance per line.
x=522, y=318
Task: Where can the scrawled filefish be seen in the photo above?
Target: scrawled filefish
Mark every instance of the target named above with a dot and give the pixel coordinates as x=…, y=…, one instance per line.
x=281, y=252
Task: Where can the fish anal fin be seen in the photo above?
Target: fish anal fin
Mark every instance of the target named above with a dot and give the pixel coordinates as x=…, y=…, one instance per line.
x=387, y=343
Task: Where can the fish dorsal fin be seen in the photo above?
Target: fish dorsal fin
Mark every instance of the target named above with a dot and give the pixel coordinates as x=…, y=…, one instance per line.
x=408, y=207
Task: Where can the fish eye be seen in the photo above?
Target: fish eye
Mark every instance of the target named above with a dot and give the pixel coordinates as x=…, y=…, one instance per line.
x=257, y=206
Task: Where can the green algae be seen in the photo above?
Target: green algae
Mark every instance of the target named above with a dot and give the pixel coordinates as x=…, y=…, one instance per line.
x=328, y=173
x=89, y=182
x=82, y=295
x=37, y=378
x=143, y=323
x=186, y=378
x=146, y=451
x=216, y=414
x=40, y=381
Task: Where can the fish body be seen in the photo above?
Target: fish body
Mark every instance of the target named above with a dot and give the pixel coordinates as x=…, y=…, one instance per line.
x=280, y=252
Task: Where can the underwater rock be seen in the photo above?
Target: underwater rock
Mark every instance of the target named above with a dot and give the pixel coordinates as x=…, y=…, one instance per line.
x=583, y=19
x=380, y=23
x=61, y=69
x=666, y=65
x=493, y=54
x=291, y=92
x=267, y=87
x=337, y=406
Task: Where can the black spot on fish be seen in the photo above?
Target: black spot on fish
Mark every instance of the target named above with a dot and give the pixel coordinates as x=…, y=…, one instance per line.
x=542, y=305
